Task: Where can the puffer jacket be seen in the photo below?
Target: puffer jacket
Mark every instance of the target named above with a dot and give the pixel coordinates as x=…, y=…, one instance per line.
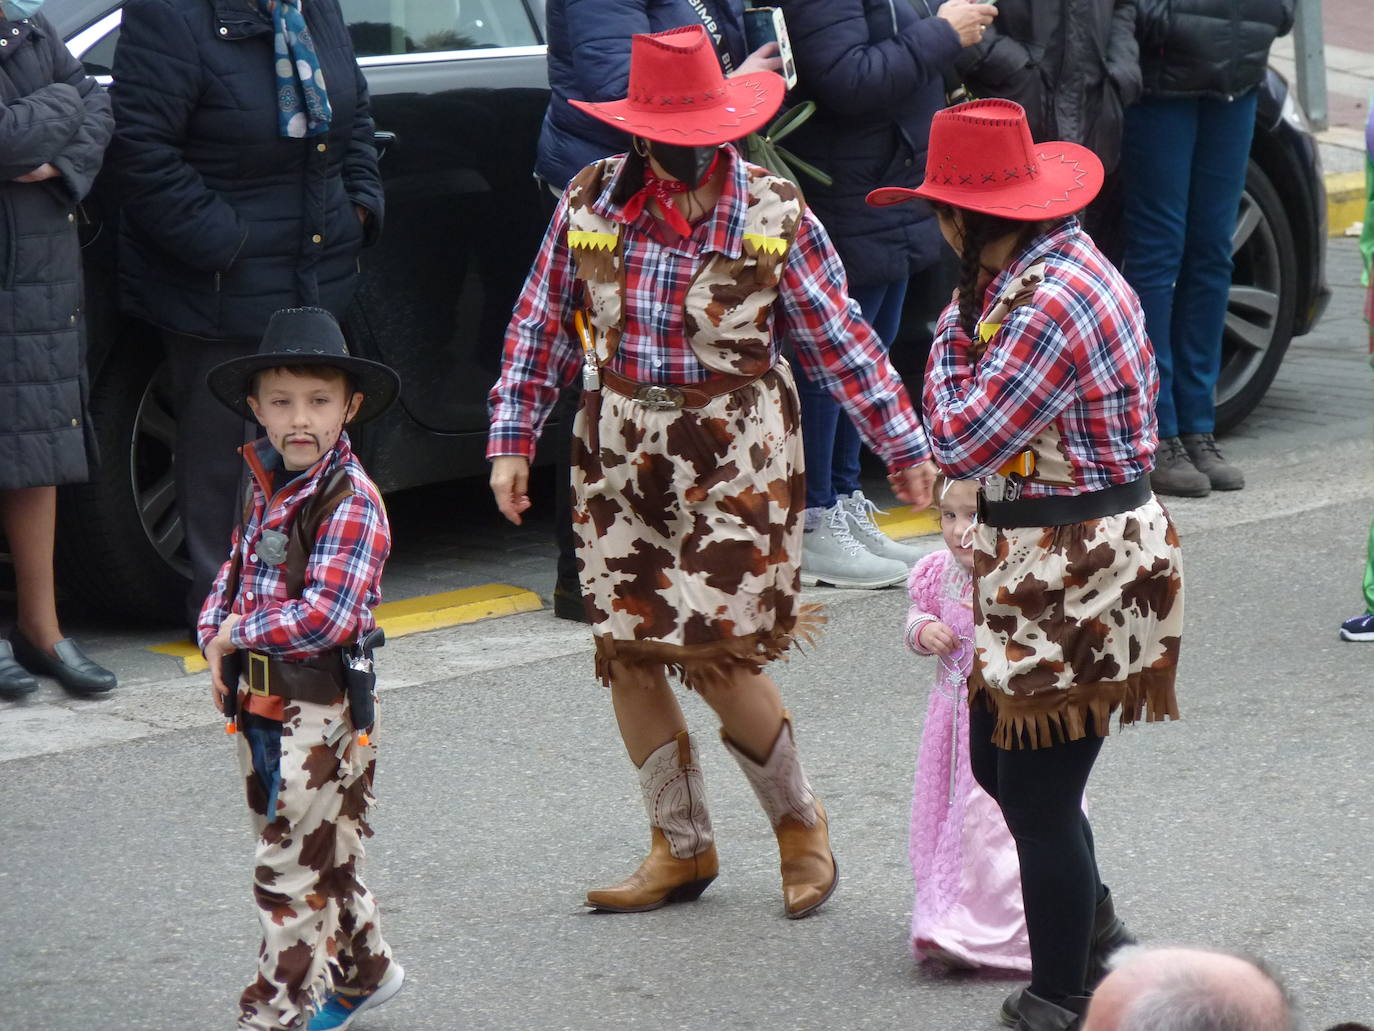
x=1216, y=48
x=51, y=112
x=876, y=72
x=224, y=220
x=1072, y=64
x=589, y=59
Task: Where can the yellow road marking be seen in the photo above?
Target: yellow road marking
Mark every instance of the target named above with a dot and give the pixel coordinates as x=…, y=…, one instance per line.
x=902, y=522
x=1345, y=201
x=411, y=616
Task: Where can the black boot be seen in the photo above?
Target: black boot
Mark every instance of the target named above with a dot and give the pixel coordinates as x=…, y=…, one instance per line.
x=1109, y=934
x=1038, y=1014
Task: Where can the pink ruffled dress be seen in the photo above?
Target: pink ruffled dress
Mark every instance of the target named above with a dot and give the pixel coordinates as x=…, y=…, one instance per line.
x=968, y=881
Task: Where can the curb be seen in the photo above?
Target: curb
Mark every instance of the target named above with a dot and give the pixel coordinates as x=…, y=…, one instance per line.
x=410, y=616
x=901, y=523
x=1345, y=201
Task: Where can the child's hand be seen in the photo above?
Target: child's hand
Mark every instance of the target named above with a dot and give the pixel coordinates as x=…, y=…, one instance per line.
x=510, y=477
x=215, y=651
x=938, y=638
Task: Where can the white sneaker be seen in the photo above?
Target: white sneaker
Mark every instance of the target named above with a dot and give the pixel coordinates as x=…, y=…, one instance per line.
x=866, y=531
x=831, y=555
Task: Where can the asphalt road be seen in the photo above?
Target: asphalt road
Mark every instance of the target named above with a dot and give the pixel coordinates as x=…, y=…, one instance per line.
x=124, y=868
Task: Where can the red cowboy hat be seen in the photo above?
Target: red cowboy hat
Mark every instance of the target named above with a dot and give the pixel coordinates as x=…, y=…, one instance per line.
x=982, y=158
x=679, y=95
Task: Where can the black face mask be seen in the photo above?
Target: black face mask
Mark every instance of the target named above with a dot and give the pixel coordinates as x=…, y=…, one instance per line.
x=685, y=164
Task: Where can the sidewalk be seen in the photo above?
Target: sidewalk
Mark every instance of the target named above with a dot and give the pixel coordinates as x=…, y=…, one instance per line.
x=1348, y=34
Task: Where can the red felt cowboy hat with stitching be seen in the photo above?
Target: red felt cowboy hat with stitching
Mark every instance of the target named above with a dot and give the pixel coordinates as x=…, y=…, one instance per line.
x=678, y=94
x=982, y=158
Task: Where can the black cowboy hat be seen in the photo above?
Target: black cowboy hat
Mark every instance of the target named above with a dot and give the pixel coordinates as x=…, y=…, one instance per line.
x=304, y=336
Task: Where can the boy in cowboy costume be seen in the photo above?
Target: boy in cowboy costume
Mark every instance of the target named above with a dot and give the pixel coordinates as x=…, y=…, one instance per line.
x=291, y=609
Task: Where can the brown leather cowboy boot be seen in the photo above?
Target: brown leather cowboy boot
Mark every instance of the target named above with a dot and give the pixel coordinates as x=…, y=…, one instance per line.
x=682, y=857
x=809, y=873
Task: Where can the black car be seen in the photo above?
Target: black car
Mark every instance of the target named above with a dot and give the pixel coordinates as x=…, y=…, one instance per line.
x=459, y=89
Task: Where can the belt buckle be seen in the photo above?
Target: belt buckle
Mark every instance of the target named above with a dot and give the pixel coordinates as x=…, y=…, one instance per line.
x=256, y=660
x=659, y=398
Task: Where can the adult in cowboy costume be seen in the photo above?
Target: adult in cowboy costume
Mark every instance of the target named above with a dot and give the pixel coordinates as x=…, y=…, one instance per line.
x=1042, y=384
x=669, y=279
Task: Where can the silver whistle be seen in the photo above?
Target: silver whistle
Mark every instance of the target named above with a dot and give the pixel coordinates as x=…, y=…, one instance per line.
x=591, y=372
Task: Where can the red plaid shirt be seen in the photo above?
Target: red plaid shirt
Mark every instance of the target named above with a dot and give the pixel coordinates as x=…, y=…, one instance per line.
x=813, y=313
x=343, y=576
x=1076, y=356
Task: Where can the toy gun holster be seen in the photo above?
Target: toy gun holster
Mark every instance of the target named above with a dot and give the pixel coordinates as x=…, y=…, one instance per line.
x=360, y=681
x=230, y=671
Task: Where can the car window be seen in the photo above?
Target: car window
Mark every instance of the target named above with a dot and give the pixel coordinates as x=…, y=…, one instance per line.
x=384, y=27
x=99, y=58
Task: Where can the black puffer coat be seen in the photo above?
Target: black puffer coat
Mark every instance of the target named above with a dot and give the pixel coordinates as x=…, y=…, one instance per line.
x=51, y=112
x=1216, y=48
x=225, y=220
x=876, y=72
x=1072, y=64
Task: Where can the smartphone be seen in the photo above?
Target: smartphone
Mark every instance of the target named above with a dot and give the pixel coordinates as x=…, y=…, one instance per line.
x=766, y=25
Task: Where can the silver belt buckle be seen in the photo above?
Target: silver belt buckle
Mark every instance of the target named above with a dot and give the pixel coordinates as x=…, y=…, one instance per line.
x=658, y=398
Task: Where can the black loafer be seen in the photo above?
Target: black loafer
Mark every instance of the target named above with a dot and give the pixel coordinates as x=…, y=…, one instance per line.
x=71, y=668
x=15, y=681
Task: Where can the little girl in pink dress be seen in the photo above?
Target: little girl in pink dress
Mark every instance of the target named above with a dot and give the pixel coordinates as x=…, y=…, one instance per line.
x=968, y=882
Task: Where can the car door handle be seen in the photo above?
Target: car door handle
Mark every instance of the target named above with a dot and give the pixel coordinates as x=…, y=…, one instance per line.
x=383, y=139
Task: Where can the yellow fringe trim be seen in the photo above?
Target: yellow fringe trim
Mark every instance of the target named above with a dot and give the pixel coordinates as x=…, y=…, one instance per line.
x=768, y=244
x=592, y=240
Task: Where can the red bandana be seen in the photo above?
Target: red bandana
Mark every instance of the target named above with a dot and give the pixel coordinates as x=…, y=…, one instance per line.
x=663, y=191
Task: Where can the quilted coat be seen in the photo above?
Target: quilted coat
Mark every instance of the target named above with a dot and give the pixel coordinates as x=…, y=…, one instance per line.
x=223, y=219
x=51, y=112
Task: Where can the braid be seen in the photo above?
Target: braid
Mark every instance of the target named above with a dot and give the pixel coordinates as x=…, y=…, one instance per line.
x=979, y=231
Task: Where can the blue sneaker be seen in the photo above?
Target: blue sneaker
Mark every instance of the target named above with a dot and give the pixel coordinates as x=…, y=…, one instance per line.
x=339, y=1010
x=1360, y=628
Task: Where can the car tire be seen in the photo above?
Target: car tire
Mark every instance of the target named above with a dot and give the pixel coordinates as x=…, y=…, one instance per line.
x=1262, y=302
x=120, y=535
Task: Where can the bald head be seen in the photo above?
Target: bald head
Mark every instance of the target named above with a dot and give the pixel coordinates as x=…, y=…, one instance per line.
x=1187, y=990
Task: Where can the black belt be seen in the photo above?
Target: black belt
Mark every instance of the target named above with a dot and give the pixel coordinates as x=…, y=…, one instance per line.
x=1064, y=509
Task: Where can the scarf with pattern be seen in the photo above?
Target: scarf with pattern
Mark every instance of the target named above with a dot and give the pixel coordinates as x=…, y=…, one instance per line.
x=302, y=99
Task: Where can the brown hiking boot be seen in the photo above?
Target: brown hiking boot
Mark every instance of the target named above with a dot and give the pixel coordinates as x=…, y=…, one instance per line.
x=1202, y=449
x=1174, y=473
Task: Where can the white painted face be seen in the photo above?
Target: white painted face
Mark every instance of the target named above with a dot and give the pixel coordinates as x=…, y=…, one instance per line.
x=958, y=508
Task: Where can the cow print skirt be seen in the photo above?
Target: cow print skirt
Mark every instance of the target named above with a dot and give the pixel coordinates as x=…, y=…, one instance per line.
x=688, y=525
x=1073, y=623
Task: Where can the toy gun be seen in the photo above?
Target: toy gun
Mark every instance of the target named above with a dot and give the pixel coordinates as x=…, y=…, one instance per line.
x=360, y=679
x=230, y=670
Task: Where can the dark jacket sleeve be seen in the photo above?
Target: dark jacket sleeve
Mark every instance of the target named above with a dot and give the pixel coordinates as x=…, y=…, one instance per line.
x=998, y=59
x=845, y=72
x=599, y=32
x=1152, y=22
x=1123, y=53
x=81, y=158
x=1286, y=25
x=362, y=178
x=158, y=70
x=35, y=128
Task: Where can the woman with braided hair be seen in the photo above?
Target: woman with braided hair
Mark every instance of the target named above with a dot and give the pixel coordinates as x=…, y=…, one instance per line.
x=1041, y=385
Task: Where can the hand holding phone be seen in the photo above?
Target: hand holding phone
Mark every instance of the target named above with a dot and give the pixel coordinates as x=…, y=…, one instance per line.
x=969, y=20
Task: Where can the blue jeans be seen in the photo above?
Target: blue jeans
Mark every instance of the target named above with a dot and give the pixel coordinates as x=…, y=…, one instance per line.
x=830, y=443
x=1183, y=161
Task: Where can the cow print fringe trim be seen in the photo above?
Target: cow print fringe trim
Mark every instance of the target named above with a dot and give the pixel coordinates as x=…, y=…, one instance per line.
x=710, y=666
x=1052, y=717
